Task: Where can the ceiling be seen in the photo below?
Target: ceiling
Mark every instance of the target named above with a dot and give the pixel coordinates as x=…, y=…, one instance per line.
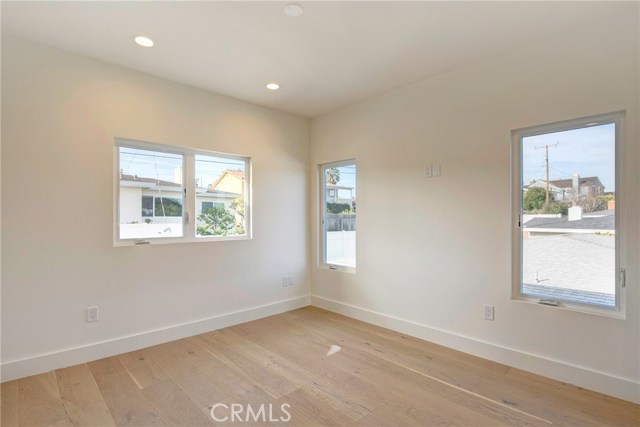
x=336, y=54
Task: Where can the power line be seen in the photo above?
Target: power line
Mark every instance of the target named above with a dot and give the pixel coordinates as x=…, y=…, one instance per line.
x=558, y=170
x=179, y=157
x=546, y=159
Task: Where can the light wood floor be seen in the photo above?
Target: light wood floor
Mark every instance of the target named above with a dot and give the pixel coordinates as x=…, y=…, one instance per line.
x=374, y=377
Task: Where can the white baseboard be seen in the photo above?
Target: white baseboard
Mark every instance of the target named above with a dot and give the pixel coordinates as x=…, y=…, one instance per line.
x=602, y=382
x=45, y=362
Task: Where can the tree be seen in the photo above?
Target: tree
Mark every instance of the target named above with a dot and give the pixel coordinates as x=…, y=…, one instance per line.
x=590, y=203
x=333, y=176
x=238, y=208
x=534, y=199
x=216, y=221
x=166, y=206
x=336, y=208
x=220, y=221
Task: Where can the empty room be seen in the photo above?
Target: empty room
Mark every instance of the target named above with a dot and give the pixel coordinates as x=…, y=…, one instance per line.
x=322, y=213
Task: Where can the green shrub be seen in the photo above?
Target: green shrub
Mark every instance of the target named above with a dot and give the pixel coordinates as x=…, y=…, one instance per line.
x=534, y=199
x=336, y=208
x=558, y=208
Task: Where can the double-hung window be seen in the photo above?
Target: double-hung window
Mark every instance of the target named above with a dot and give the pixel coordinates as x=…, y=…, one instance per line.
x=338, y=215
x=170, y=194
x=566, y=214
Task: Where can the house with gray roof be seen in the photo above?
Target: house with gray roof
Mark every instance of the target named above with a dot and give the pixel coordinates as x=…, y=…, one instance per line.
x=567, y=189
x=596, y=222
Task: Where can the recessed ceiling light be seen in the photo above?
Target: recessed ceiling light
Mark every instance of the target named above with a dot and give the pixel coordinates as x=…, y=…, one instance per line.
x=293, y=10
x=273, y=86
x=143, y=41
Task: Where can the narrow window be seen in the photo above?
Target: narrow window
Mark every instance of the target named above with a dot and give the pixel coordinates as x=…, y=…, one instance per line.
x=151, y=194
x=566, y=214
x=338, y=213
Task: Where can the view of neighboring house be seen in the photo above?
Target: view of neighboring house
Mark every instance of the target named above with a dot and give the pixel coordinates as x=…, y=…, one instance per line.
x=555, y=193
x=588, y=186
x=595, y=222
x=143, y=198
x=566, y=189
x=339, y=194
x=152, y=204
x=230, y=182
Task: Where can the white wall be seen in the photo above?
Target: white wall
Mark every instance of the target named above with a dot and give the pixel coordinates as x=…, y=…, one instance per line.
x=451, y=251
x=60, y=115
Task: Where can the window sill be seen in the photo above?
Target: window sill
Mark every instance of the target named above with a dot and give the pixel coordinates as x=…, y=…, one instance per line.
x=340, y=268
x=613, y=312
x=174, y=240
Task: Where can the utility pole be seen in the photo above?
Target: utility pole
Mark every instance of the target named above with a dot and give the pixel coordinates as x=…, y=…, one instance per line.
x=546, y=159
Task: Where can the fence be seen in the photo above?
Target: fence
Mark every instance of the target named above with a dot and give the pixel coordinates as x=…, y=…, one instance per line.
x=341, y=222
x=341, y=248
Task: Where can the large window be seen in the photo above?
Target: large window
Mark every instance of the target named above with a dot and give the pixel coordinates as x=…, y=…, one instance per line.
x=566, y=214
x=172, y=194
x=338, y=212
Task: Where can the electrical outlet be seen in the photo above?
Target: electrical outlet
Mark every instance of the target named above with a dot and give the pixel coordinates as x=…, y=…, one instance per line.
x=287, y=281
x=92, y=314
x=428, y=173
x=489, y=312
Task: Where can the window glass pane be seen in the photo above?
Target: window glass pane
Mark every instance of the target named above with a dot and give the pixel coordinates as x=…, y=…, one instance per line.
x=568, y=223
x=167, y=206
x=147, y=206
x=220, y=196
x=340, y=215
x=151, y=194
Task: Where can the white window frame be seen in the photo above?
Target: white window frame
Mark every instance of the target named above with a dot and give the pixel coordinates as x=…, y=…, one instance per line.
x=322, y=258
x=617, y=118
x=189, y=208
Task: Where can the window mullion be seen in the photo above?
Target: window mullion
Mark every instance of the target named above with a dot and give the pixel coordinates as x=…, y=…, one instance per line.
x=190, y=197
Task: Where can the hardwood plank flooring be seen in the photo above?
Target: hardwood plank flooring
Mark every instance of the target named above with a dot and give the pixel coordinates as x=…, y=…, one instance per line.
x=127, y=404
x=9, y=398
x=81, y=397
x=330, y=369
x=39, y=401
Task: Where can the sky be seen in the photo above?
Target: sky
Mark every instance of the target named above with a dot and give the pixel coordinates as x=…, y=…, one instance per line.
x=163, y=166
x=587, y=151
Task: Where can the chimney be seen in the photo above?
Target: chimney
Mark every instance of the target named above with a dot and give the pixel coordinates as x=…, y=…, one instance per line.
x=575, y=213
x=576, y=184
